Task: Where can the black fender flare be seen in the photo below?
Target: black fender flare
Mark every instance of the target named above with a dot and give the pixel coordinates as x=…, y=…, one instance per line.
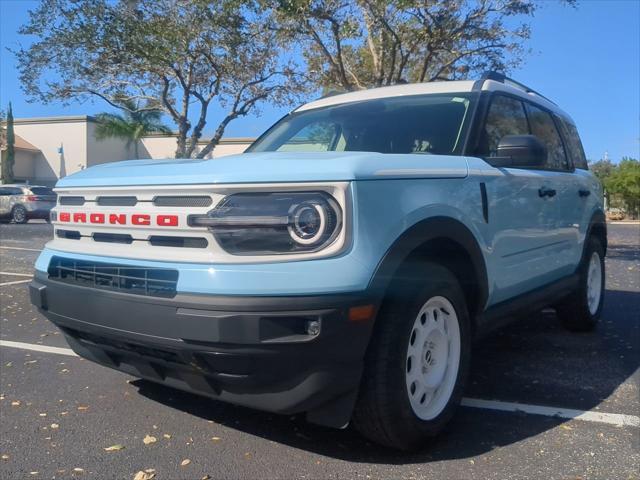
x=434, y=228
x=598, y=222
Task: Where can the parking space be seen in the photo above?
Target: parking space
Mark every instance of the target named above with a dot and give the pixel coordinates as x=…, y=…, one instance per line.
x=58, y=412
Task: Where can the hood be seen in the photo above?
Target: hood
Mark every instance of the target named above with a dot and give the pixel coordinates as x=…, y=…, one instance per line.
x=271, y=167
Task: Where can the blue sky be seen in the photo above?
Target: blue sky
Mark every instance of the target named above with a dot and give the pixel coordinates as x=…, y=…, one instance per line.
x=587, y=60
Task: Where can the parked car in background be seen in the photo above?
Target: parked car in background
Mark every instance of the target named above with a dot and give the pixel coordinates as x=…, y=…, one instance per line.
x=20, y=202
x=615, y=214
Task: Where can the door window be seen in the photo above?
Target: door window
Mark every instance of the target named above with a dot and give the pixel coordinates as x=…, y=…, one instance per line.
x=543, y=127
x=506, y=117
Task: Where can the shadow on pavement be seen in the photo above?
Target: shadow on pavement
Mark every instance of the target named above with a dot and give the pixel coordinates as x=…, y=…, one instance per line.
x=532, y=361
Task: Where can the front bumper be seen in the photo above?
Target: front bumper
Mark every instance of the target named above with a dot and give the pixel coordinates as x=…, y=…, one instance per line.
x=253, y=351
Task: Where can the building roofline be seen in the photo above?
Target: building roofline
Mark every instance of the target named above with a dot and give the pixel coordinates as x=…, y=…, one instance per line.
x=61, y=119
x=202, y=141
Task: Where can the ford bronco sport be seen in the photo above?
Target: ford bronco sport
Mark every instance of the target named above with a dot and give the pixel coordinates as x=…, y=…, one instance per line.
x=343, y=265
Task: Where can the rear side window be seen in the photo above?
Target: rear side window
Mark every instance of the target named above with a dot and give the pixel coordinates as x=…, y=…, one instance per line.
x=506, y=117
x=543, y=127
x=11, y=191
x=574, y=145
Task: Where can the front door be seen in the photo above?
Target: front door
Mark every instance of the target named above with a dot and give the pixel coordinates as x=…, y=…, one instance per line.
x=526, y=247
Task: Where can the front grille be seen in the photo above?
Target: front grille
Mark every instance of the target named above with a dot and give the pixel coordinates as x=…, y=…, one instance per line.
x=117, y=201
x=71, y=200
x=68, y=234
x=182, y=201
x=113, y=238
x=155, y=282
x=178, y=242
x=166, y=355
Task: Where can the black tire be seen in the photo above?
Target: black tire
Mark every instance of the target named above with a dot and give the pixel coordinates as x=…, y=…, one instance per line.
x=574, y=311
x=19, y=214
x=383, y=411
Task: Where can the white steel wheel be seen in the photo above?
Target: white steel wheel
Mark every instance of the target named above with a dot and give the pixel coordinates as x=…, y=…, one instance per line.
x=594, y=283
x=433, y=358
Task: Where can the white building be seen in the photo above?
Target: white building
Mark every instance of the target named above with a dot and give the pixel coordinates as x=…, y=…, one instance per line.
x=53, y=147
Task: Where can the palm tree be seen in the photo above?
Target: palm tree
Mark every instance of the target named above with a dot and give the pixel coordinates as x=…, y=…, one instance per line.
x=131, y=126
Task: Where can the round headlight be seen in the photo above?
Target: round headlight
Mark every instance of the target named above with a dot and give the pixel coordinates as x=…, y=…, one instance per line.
x=308, y=223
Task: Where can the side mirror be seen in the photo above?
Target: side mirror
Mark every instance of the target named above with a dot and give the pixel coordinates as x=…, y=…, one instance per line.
x=520, y=151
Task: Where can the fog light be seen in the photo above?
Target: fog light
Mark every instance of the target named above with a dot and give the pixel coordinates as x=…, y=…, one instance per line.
x=313, y=327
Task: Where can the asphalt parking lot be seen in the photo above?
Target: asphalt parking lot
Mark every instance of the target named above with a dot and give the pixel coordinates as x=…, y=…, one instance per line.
x=58, y=413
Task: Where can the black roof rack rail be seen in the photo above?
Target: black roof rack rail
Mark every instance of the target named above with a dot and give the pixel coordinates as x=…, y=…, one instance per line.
x=502, y=78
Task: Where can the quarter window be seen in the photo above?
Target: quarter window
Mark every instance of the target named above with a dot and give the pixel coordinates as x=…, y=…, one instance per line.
x=574, y=145
x=543, y=127
x=506, y=117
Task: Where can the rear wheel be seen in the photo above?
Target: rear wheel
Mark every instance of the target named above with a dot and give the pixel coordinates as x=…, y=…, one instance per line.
x=19, y=214
x=581, y=311
x=417, y=363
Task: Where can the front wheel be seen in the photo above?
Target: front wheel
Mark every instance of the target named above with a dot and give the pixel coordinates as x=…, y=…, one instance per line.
x=581, y=311
x=417, y=363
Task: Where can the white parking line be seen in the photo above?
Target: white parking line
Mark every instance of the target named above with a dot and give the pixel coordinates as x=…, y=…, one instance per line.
x=22, y=248
x=14, y=283
x=617, y=419
x=38, y=348
x=17, y=274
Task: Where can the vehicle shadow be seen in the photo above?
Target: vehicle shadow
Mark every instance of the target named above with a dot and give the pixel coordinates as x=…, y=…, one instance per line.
x=532, y=361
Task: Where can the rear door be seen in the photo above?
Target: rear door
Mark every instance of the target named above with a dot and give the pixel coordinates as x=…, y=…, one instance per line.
x=4, y=201
x=559, y=188
x=585, y=188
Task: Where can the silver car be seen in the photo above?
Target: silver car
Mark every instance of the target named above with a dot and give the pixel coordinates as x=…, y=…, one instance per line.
x=20, y=202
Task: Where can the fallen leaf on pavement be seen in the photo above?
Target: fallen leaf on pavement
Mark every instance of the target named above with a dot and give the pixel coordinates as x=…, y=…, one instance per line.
x=78, y=470
x=42, y=414
x=215, y=439
x=185, y=462
x=166, y=435
x=206, y=477
x=83, y=407
x=114, y=448
x=16, y=403
x=55, y=425
x=5, y=457
x=143, y=476
x=149, y=439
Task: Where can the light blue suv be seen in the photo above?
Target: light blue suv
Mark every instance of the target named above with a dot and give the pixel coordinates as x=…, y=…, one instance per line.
x=343, y=265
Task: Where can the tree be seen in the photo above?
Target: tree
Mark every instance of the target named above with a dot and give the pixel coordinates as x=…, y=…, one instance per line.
x=354, y=44
x=9, y=156
x=624, y=182
x=602, y=169
x=135, y=124
x=170, y=55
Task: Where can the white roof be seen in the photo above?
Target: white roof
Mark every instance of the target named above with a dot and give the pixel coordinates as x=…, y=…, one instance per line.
x=408, y=89
x=393, y=91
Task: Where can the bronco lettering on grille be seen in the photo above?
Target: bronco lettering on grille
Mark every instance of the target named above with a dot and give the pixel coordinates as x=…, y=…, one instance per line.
x=139, y=219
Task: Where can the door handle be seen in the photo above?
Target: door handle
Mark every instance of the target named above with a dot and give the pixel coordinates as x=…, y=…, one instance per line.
x=546, y=192
x=584, y=193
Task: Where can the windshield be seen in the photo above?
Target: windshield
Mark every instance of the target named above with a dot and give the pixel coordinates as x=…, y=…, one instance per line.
x=427, y=124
